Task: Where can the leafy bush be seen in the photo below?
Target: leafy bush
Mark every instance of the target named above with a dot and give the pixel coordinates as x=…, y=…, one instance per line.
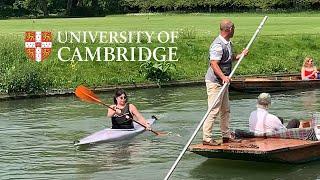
x=157, y=71
x=25, y=78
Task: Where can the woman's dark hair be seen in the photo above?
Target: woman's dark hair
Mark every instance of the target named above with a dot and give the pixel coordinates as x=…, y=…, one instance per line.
x=118, y=93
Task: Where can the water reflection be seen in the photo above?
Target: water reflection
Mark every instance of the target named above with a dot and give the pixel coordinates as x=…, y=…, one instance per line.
x=309, y=100
x=235, y=169
x=121, y=154
x=36, y=137
x=114, y=156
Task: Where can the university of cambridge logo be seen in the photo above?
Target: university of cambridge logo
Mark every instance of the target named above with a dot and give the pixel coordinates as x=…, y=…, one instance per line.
x=38, y=45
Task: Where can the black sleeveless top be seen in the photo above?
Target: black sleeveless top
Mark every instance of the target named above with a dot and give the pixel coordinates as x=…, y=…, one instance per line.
x=120, y=121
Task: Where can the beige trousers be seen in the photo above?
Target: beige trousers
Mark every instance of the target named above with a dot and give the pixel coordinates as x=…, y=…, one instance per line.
x=221, y=108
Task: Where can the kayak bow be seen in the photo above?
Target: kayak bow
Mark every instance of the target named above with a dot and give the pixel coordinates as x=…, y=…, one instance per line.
x=109, y=135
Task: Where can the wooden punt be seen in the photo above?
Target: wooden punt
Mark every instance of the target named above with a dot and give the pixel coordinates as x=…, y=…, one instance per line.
x=263, y=149
x=272, y=83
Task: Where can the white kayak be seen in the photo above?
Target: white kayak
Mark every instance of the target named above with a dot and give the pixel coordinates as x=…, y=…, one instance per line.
x=109, y=135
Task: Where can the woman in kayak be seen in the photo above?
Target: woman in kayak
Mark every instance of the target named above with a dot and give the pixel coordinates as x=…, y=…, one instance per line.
x=308, y=70
x=122, y=112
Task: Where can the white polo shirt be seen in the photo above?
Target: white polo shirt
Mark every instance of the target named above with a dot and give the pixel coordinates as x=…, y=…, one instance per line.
x=261, y=121
x=215, y=50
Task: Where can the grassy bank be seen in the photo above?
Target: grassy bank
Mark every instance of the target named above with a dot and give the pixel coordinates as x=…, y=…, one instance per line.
x=281, y=47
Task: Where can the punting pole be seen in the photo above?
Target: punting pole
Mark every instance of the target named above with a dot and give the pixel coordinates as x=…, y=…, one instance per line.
x=214, y=102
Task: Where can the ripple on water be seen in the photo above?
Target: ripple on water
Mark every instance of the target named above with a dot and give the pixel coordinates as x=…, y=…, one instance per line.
x=36, y=137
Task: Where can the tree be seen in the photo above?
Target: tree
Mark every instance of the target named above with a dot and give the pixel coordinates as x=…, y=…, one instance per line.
x=44, y=7
x=36, y=7
x=69, y=7
x=6, y=8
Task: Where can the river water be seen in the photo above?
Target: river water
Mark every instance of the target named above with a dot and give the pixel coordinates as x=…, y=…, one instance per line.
x=36, y=138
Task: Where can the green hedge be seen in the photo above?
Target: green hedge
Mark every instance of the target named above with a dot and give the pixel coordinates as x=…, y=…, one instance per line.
x=32, y=8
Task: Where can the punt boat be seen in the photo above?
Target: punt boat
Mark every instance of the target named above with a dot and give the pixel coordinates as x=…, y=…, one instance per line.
x=272, y=83
x=298, y=145
x=263, y=149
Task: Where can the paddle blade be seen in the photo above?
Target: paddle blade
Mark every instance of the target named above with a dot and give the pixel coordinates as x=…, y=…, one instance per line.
x=87, y=95
x=160, y=133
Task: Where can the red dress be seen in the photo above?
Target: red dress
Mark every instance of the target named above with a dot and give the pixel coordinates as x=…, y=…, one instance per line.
x=307, y=73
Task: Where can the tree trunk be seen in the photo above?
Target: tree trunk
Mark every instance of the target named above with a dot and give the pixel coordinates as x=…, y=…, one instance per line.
x=69, y=7
x=44, y=7
x=95, y=5
x=80, y=3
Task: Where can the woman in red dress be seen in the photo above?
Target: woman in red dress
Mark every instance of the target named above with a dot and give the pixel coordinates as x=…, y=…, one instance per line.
x=308, y=70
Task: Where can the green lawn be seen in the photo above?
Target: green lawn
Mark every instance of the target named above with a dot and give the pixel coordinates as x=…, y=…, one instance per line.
x=281, y=47
x=202, y=23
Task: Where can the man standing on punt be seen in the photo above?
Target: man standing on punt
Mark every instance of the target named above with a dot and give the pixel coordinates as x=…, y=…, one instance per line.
x=220, y=66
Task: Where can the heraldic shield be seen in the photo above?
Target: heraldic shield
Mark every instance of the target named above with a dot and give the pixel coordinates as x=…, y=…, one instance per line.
x=38, y=45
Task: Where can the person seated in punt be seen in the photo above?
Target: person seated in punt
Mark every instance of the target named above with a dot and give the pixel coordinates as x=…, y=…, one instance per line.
x=308, y=70
x=264, y=124
x=261, y=121
x=122, y=112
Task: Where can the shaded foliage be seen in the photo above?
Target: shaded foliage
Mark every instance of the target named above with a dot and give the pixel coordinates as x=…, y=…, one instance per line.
x=18, y=8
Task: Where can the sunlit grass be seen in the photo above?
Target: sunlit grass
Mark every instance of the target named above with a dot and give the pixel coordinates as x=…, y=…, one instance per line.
x=281, y=47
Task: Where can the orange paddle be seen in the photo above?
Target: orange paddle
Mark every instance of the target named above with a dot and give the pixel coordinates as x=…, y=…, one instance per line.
x=87, y=95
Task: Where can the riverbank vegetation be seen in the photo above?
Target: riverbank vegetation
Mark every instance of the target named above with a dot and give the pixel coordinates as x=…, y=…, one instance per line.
x=281, y=47
x=85, y=8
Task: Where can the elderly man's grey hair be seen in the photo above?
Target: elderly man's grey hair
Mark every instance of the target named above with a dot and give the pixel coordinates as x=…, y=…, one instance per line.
x=264, y=100
x=226, y=24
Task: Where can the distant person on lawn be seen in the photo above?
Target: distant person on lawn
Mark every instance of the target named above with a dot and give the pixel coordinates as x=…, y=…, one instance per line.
x=220, y=65
x=308, y=70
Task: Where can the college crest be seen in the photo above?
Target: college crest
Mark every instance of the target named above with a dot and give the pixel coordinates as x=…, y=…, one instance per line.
x=38, y=45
